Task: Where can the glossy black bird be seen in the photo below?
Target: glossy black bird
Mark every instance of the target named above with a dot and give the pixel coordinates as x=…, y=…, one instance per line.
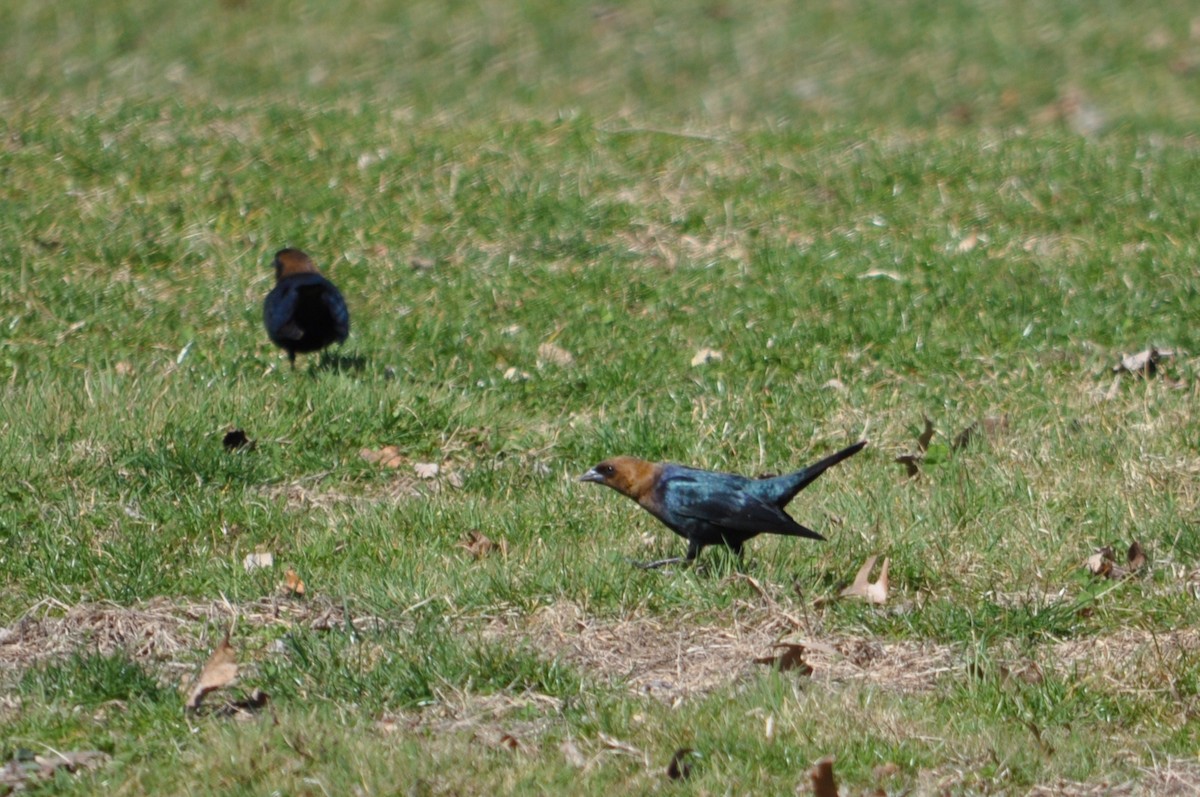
x=708, y=508
x=304, y=312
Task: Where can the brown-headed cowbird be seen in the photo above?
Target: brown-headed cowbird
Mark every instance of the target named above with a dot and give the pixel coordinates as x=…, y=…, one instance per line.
x=304, y=311
x=708, y=508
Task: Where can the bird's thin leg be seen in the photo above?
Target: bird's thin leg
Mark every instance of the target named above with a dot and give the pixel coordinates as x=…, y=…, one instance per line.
x=292, y=358
x=657, y=563
x=692, y=552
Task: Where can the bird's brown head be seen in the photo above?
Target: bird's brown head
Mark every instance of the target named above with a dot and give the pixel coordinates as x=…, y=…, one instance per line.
x=627, y=475
x=292, y=261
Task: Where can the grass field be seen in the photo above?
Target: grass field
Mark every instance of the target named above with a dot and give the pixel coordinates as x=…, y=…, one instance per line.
x=539, y=215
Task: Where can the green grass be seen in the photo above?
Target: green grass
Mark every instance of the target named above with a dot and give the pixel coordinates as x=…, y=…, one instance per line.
x=959, y=211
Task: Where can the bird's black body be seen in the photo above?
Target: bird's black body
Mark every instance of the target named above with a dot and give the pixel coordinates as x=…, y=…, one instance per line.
x=305, y=312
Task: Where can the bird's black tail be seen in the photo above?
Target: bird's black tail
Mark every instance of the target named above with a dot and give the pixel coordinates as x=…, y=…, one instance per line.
x=797, y=481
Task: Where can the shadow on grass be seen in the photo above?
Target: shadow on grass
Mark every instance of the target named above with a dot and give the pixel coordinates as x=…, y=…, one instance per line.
x=340, y=363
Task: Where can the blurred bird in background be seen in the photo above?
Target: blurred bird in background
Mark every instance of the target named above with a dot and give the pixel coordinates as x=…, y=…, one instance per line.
x=304, y=312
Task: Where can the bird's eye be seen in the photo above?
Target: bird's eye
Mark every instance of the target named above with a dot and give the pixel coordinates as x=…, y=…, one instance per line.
x=605, y=470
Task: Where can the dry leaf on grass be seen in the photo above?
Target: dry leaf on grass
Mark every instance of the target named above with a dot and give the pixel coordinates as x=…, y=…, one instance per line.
x=219, y=671
x=926, y=436
x=388, y=456
x=823, y=782
x=479, y=545
x=613, y=743
x=514, y=374
x=706, y=355
x=1103, y=563
x=292, y=584
x=863, y=588
x=912, y=464
x=236, y=440
x=550, y=354
x=258, y=559
x=790, y=657
x=1144, y=363
x=426, y=470
x=680, y=767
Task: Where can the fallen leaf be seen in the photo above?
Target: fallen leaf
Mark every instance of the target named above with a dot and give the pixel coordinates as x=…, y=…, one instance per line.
x=1144, y=363
x=862, y=588
x=426, y=470
x=254, y=561
x=479, y=546
x=388, y=456
x=967, y=244
x=219, y=671
x=706, y=355
x=1136, y=556
x=550, y=354
x=422, y=263
x=835, y=384
x=510, y=742
x=292, y=583
x=236, y=440
x=912, y=463
x=123, y=369
x=514, y=374
x=823, y=782
x=926, y=436
x=246, y=707
x=1101, y=562
x=680, y=768
x=791, y=657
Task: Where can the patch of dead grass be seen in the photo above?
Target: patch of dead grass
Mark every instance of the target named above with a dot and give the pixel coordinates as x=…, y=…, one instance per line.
x=163, y=632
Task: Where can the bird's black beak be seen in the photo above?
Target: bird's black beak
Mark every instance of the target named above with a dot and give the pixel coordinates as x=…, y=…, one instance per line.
x=591, y=476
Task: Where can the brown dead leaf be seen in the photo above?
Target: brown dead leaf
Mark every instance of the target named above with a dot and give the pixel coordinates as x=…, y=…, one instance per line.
x=388, y=456
x=510, y=742
x=479, y=545
x=823, y=782
x=219, y=671
x=123, y=368
x=926, y=436
x=705, y=356
x=790, y=657
x=292, y=584
x=551, y=354
x=862, y=588
x=911, y=463
x=1101, y=562
x=1144, y=363
x=1135, y=557
x=680, y=768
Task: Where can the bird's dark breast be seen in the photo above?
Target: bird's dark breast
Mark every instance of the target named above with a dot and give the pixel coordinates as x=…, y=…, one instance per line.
x=317, y=317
